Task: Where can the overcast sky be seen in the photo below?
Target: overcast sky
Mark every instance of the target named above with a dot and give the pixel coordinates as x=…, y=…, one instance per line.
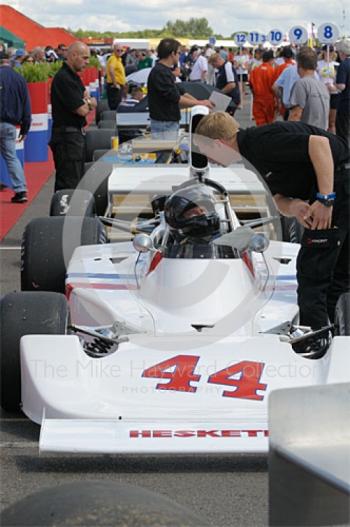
x=224, y=16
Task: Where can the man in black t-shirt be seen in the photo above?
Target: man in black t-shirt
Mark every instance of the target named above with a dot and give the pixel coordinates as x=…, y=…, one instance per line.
x=307, y=172
x=70, y=104
x=164, y=97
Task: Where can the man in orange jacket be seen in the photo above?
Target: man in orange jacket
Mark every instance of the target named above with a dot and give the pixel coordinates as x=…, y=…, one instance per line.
x=261, y=80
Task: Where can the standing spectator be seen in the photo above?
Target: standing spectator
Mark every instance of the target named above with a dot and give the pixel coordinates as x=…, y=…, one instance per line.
x=241, y=64
x=199, y=71
x=115, y=76
x=145, y=61
x=38, y=55
x=2, y=50
x=261, y=81
x=15, y=110
x=130, y=61
x=183, y=55
x=61, y=51
x=310, y=97
x=282, y=88
x=211, y=70
x=287, y=57
x=164, y=97
x=287, y=60
x=326, y=69
x=342, y=122
x=152, y=54
x=223, y=53
x=226, y=78
x=18, y=58
x=50, y=54
x=256, y=60
x=305, y=169
x=70, y=104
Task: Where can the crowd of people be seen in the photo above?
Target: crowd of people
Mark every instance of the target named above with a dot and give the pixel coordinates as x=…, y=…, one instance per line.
x=38, y=55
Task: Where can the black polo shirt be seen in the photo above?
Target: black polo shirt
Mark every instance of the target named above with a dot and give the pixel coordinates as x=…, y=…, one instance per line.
x=163, y=94
x=67, y=92
x=279, y=152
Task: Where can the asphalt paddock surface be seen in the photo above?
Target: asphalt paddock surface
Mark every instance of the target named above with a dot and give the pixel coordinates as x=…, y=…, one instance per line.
x=224, y=491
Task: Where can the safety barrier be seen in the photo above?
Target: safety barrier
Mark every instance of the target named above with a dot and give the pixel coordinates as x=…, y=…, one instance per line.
x=35, y=146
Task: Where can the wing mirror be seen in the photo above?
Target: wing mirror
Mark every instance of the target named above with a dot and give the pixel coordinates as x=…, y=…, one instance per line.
x=143, y=243
x=244, y=238
x=258, y=243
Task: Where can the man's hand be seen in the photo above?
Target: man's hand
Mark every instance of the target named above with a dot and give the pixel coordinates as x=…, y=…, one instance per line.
x=20, y=138
x=300, y=210
x=93, y=102
x=206, y=103
x=320, y=216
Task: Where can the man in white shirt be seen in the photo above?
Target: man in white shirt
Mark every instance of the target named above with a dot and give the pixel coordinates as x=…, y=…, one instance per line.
x=199, y=70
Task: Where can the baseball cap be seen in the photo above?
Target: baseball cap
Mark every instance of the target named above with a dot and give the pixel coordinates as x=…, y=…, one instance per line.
x=19, y=53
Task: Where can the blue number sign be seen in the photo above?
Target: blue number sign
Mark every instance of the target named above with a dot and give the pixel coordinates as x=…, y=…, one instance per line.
x=254, y=38
x=298, y=35
x=328, y=33
x=275, y=37
x=240, y=39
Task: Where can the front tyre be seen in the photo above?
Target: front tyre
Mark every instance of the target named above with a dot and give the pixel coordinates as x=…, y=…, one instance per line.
x=22, y=314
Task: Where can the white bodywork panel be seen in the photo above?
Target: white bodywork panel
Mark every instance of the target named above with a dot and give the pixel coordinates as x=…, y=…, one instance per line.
x=115, y=399
x=161, y=178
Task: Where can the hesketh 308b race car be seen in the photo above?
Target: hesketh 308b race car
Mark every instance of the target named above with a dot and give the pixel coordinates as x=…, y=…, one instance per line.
x=170, y=343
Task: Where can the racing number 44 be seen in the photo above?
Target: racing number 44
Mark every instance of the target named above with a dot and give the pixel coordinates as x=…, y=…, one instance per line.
x=244, y=377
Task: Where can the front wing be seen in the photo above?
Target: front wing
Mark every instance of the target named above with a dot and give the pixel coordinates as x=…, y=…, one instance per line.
x=164, y=394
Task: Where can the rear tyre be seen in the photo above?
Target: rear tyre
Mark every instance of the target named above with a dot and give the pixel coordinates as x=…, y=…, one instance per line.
x=72, y=202
x=342, y=315
x=25, y=314
x=48, y=245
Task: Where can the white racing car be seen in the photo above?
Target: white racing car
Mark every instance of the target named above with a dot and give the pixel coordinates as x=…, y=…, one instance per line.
x=167, y=344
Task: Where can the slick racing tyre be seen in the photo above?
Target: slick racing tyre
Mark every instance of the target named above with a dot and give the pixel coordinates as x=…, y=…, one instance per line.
x=25, y=314
x=342, y=315
x=72, y=202
x=47, y=247
x=102, y=503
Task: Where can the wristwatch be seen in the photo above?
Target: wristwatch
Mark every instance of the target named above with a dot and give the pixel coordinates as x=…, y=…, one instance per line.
x=326, y=199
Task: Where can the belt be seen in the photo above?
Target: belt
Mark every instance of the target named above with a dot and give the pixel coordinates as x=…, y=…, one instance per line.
x=69, y=129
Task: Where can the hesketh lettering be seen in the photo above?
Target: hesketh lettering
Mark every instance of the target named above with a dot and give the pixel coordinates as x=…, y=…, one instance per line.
x=184, y=433
x=208, y=433
x=156, y=434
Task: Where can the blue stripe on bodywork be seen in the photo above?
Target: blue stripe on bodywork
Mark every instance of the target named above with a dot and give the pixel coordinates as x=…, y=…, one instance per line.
x=100, y=275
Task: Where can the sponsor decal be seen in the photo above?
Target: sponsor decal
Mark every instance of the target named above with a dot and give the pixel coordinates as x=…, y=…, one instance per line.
x=156, y=434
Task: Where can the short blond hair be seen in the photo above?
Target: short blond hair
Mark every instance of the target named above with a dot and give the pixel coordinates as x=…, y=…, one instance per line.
x=213, y=58
x=218, y=125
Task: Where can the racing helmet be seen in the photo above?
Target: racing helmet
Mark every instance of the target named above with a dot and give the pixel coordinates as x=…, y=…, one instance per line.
x=191, y=211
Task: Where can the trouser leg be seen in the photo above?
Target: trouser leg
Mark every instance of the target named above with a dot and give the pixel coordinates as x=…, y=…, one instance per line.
x=341, y=278
x=8, y=152
x=342, y=123
x=322, y=257
x=68, y=153
x=114, y=96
